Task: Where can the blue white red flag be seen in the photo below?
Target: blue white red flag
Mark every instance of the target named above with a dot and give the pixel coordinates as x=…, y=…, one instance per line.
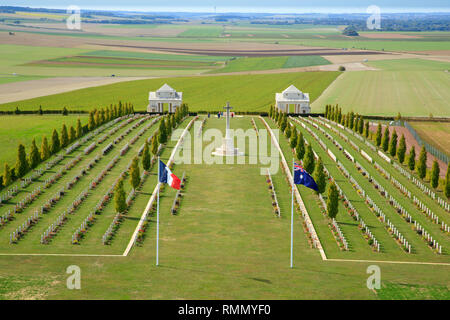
x=166, y=176
x=303, y=177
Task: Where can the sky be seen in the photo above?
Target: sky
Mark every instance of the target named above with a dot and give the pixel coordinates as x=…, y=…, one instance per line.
x=261, y=6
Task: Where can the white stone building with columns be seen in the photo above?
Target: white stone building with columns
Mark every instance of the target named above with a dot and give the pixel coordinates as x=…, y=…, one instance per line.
x=292, y=96
x=164, y=95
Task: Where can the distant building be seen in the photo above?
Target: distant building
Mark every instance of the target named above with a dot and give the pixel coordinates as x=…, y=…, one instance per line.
x=292, y=96
x=165, y=94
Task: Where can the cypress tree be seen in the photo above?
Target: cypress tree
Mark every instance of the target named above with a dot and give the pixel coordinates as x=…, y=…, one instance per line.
x=300, y=148
x=422, y=165
x=401, y=149
x=155, y=144
x=146, y=161
x=35, y=157
x=55, y=147
x=356, y=123
x=120, y=198
x=168, y=126
x=385, y=142
x=283, y=124
x=162, y=132
x=79, y=128
x=72, y=134
x=293, y=141
x=412, y=158
x=378, y=135
x=64, y=136
x=320, y=177
x=91, y=121
x=45, y=150
x=309, y=160
x=135, y=174
x=435, y=174
x=366, y=129
x=447, y=182
x=393, y=144
x=97, y=119
x=361, y=125
x=21, y=163
x=7, y=179
x=332, y=201
x=287, y=132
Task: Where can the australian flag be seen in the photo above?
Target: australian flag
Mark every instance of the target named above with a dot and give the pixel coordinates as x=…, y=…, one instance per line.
x=303, y=177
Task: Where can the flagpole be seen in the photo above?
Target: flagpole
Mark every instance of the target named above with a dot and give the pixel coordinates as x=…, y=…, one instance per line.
x=157, y=219
x=292, y=214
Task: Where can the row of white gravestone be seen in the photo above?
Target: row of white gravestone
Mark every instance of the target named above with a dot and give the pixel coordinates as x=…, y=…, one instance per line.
x=273, y=194
x=431, y=215
x=90, y=147
x=401, y=187
x=124, y=149
x=53, y=162
x=365, y=155
x=103, y=173
x=28, y=199
x=353, y=210
x=107, y=236
x=339, y=232
x=386, y=174
x=108, y=148
x=354, y=146
x=73, y=147
x=22, y=229
x=62, y=218
x=102, y=138
x=349, y=156
x=9, y=194
x=367, y=231
x=400, y=210
x=432, y=243
x=89, y=220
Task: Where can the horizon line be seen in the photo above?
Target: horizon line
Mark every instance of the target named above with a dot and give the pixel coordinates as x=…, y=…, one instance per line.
x=260, y=10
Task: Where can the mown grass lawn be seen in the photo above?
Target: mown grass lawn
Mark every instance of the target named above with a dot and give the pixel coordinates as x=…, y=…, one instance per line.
x=15, y=129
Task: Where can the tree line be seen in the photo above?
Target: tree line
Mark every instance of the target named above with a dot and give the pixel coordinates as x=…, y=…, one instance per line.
x=27, y=162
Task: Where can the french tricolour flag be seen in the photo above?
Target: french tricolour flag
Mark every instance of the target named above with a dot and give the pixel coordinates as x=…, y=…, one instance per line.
x=166, y=176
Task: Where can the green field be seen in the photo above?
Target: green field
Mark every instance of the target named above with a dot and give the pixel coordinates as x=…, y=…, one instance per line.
x=201, y=32
x=412, y=93
x=268, y=63
x=245, y=92
x=154, y=56
x=217, y=222
x=103, y=62
x=410, y=65
x=5, y=78
x=15, y=129
x=27, y=61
